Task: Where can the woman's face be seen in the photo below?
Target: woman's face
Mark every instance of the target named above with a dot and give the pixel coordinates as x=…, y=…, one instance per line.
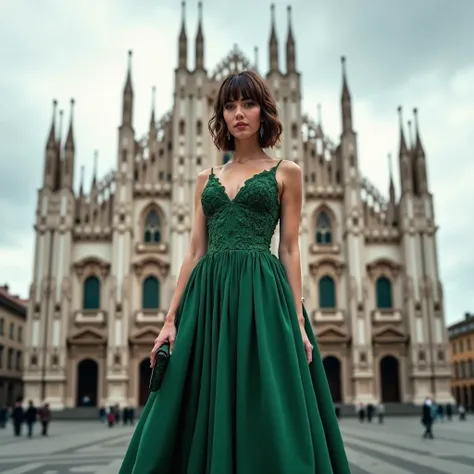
x=242, y=118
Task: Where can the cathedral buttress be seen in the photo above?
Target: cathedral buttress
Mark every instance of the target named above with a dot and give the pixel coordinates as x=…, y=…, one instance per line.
x=286, y=88
x=41, y=289
x=411, y=249
x=358, y=312
x=188, y=109
x=424, y=306
x=118, y=302
x=45, y=331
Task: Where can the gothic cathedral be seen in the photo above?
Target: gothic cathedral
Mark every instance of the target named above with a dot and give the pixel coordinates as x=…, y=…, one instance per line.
x=107, y=258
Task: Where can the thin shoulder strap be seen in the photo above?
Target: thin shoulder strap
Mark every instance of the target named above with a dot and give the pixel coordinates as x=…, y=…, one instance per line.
x=278, y=164
x=212, y=171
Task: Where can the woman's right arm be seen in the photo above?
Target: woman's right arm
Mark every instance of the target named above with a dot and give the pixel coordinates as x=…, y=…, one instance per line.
x=197, y=247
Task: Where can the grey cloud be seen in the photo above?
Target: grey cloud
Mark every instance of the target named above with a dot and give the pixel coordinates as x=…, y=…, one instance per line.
x=397, y=39
x=17, y=222
x=22, y=160
x=20, y=177
x=457, y=290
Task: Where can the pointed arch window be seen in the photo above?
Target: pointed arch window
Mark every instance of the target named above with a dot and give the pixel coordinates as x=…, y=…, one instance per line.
x=91, y=293
x=383, y=290
x=151, y=293
x=323, y=229
x=152, y=233
x=327, y=293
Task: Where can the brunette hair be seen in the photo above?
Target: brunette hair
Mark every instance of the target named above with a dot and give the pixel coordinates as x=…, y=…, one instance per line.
x=248, y=86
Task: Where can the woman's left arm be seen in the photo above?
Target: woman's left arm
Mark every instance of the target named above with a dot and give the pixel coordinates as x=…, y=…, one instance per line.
x=289, y=250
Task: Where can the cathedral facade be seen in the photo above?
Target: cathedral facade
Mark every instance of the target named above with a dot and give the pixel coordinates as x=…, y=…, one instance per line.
x=107, y=258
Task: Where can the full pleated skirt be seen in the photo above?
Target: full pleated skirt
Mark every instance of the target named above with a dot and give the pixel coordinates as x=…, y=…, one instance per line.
x=238, y=396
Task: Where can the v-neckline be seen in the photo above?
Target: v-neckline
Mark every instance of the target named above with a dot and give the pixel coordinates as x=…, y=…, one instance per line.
x=244, y=183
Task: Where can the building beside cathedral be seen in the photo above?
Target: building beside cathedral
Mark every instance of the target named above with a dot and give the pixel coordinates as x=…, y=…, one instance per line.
x=107, y=258
x=13, y=312
x=461, y=341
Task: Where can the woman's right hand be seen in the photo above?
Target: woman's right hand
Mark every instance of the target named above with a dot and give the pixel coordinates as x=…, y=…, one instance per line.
x=167, y=335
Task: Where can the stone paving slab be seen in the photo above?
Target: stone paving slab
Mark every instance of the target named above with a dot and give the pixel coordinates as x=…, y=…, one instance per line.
x=395, y=447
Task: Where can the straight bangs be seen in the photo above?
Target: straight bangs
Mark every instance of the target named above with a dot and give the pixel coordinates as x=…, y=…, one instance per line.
x=241, y=87
x=246, y=85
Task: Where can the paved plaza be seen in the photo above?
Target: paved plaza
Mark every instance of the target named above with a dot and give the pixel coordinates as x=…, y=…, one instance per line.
x=393, y=448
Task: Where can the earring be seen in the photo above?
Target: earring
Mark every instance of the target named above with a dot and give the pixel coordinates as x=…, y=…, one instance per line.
x=227, y=135
x=261, y=131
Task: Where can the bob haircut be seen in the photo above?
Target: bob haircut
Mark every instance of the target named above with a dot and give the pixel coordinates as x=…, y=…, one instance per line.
x=246, y=85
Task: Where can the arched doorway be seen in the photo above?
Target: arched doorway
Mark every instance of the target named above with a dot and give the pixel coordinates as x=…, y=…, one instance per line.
x=332, y=367
x=390, y=379
x=144, y=381
x=87, y=386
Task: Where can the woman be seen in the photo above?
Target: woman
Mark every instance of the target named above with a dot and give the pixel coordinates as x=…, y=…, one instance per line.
x=245, y=391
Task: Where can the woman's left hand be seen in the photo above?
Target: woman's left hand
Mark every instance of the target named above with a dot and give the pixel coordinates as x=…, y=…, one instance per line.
x=308, y=347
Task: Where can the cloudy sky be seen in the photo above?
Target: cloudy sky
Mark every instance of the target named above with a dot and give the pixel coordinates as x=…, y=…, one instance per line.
x=410, y=52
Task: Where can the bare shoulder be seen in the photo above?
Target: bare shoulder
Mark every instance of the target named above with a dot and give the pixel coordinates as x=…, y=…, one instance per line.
x=201, y=180
x=290, y=170
x=203, y=176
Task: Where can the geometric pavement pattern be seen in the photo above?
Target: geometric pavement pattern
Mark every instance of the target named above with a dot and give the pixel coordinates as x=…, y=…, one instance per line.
x=395, y=447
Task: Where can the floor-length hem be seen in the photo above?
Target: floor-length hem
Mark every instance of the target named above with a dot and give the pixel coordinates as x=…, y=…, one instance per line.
x=238, y=395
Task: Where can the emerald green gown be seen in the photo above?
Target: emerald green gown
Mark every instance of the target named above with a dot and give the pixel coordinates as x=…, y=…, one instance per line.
x=238, y=396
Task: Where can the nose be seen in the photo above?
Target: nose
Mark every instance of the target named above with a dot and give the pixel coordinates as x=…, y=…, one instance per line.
x=238, y=112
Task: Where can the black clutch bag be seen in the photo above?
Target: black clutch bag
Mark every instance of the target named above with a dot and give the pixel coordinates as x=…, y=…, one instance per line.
x=161, y=362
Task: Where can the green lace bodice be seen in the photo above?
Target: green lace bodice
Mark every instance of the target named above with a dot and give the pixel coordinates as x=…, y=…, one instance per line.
x=246, y=222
